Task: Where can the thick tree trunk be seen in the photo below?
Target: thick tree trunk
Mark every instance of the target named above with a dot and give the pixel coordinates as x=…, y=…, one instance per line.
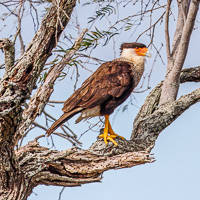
x=16, y=86
x=13, y=183
x=23, y=169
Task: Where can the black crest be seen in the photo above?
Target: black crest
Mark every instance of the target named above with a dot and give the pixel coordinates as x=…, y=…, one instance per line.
x=132, y=45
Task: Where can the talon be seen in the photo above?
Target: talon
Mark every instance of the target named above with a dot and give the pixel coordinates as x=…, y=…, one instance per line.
x=121, y=137
x=108, y=130
x=113, y=141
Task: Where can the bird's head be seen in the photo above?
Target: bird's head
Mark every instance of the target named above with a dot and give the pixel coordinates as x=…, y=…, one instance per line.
x=134, y=51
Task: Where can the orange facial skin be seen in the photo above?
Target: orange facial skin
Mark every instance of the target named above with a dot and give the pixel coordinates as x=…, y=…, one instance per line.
x=141, y=51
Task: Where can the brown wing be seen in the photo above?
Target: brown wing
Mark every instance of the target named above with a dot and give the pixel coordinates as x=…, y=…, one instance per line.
x=111, y=80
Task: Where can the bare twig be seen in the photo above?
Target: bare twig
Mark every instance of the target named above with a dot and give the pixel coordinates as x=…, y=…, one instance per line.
x=167, y=38
x=57, y=102
x=153, y=25
x=60, y=193
x=54, y=119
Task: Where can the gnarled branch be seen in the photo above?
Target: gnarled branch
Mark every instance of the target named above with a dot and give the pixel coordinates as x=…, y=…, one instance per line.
x=72, y=167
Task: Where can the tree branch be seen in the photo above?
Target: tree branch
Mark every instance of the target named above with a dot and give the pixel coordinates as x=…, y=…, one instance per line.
x=75, y=167
x=185, y=38
x=167, y=29
x=178, y=32
x=23, y=77
x=152, y=118
x=171, y=83
x=39, y=100
x=72, y=167
x=190, y=75
x=17, y=86
x=8, y=48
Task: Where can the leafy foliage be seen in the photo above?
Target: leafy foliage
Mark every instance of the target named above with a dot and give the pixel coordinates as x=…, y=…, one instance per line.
x=92, y=38
x=102, y=12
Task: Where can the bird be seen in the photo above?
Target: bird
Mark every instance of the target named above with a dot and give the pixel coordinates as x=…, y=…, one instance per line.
x=108, y=87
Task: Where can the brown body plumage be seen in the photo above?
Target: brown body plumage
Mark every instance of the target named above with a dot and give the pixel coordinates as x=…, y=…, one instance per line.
x=104, y=90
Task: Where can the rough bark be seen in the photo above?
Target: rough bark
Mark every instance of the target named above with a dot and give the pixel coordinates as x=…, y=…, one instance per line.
x=16, y=87
x=23, y=169
x=152, y=118
x=9, y=53
x=72, y=167
x=190, y=74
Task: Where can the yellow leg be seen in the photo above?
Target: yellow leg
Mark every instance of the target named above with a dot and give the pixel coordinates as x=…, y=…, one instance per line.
x=108, y=129
x=105, y=134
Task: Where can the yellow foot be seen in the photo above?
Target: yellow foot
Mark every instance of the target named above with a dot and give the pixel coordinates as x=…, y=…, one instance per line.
x=108, y=133
x=114, y=135
x=110, y=137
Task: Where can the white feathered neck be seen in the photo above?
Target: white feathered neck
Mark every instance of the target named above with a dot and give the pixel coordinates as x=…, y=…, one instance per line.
x=130, y=54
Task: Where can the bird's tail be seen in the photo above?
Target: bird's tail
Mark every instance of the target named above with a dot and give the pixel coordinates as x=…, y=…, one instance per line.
x=61, y=120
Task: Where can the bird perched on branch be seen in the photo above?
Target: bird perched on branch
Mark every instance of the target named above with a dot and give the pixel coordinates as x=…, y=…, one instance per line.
x=109, y=86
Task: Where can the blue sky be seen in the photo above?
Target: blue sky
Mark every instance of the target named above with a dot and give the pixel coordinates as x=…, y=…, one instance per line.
x=175, y=173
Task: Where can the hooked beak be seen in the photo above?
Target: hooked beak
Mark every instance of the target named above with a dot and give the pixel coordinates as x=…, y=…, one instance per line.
x=142, y=52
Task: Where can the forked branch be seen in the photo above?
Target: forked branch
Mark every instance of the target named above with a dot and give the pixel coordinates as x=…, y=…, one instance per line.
x=152, y=118
x=172, y=80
